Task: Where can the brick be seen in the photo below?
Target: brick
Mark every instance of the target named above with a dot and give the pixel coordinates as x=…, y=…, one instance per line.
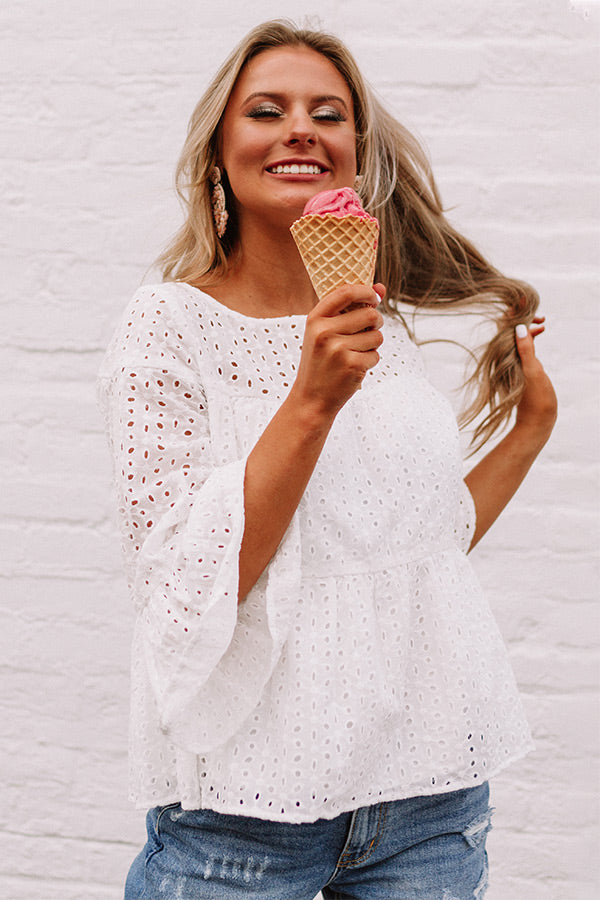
x=544, y=203
x=18, y=888
x=547, y=668
x=47, y=366
x=567, y=724
x=41, y=142
x=517, y=246
x=543, y=62
x=494, y=152
x=97, y=862
x=545, y=889
x=467, y=19
x=45, y=547
x=63, y=324
x=449, y=65
x=558, y=291
x=501, y=108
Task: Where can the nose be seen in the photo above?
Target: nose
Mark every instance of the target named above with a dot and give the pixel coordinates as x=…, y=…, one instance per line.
x=301, y=129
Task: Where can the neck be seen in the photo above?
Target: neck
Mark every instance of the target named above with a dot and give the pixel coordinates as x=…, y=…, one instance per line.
x=267, y=278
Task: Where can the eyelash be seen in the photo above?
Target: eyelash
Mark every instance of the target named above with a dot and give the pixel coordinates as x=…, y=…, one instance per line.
x=329, y=115
x=272, y=112
x=264, y=112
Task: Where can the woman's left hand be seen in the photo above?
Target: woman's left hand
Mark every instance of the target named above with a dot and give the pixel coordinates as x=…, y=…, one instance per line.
x=497, y=476
x=537, y=409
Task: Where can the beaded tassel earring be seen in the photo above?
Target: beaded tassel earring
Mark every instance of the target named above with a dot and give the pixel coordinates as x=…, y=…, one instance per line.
x=217, y=200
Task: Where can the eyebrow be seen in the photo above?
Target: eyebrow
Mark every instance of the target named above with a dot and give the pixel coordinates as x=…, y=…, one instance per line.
x=320, y=98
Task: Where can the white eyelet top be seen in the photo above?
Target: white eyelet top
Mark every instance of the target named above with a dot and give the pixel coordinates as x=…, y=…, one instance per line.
x=365, y=665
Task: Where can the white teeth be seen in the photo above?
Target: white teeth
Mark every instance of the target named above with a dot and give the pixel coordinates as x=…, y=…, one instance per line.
x=296, y=169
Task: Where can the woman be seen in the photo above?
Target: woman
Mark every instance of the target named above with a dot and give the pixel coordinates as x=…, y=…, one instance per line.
x=320, y=694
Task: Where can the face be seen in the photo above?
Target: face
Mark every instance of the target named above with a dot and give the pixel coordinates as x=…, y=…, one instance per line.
x=287, y=133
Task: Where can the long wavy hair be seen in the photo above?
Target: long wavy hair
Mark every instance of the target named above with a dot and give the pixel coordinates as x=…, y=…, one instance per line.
x=422, y=259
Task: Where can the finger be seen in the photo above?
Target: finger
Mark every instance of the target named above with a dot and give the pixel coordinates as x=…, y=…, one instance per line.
x=535, y=331
x=524, y=341
x=370, y=358
x=362, y=318
x=366, y=360
x=380, y=289
x=539, y=319
x=365, y=341
x=345, y=295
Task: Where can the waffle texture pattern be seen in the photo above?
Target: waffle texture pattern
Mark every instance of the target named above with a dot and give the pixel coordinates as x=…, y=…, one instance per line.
x=365, y=664
x=337, y=250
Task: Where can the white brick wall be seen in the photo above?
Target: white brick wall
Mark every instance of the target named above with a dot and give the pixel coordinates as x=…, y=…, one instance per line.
x=95, y=98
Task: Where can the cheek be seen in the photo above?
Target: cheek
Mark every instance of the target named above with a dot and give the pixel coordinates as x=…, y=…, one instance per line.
x=346, y=147
x=349, y=151
x=246, y=151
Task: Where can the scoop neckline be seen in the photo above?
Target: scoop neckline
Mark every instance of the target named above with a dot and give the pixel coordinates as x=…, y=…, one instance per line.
x=294, y=317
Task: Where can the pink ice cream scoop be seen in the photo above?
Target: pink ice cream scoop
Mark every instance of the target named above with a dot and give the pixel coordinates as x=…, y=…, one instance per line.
x=339, y=202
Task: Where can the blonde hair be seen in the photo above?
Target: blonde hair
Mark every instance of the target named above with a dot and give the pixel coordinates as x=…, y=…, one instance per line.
x=422, y=259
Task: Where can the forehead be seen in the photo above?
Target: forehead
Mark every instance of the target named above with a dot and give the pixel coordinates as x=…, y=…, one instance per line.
x=293, y=69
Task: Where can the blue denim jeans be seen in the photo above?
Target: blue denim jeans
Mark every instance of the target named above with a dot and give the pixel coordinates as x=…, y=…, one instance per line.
x=423, y=848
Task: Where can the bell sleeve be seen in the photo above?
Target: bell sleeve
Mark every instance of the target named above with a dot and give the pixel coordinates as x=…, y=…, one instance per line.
x=182, y=519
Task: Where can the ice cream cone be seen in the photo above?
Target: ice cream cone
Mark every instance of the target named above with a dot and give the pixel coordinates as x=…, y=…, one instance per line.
x=337, y=249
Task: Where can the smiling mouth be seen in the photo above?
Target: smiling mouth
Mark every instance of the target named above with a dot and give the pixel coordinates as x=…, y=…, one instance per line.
x=296, y=169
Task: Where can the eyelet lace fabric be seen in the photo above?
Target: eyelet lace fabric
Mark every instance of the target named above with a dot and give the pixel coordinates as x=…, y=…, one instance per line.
x=364, y=665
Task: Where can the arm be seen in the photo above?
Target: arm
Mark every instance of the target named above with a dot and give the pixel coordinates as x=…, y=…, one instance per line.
x=337, y=352
x=497, y=477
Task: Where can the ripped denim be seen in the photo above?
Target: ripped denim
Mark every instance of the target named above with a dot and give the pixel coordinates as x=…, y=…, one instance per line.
x=423, y=848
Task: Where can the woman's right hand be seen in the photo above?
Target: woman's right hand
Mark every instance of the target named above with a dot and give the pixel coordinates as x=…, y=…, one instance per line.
x=340, y=345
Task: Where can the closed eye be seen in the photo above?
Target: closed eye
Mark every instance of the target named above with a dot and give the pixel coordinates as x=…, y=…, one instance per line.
x=328, y=114
x=264, y=111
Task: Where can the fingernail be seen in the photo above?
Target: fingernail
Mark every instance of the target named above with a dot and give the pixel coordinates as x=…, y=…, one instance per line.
x=521, y=330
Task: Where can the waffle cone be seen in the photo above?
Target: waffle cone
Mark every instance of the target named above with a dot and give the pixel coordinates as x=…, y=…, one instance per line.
x=336, y=250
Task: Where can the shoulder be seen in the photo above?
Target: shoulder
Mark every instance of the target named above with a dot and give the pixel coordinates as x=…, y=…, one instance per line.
x=152, y=330
x=152, y=302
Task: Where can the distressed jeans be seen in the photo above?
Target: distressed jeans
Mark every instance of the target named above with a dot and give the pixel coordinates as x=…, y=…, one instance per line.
x=423, y=848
